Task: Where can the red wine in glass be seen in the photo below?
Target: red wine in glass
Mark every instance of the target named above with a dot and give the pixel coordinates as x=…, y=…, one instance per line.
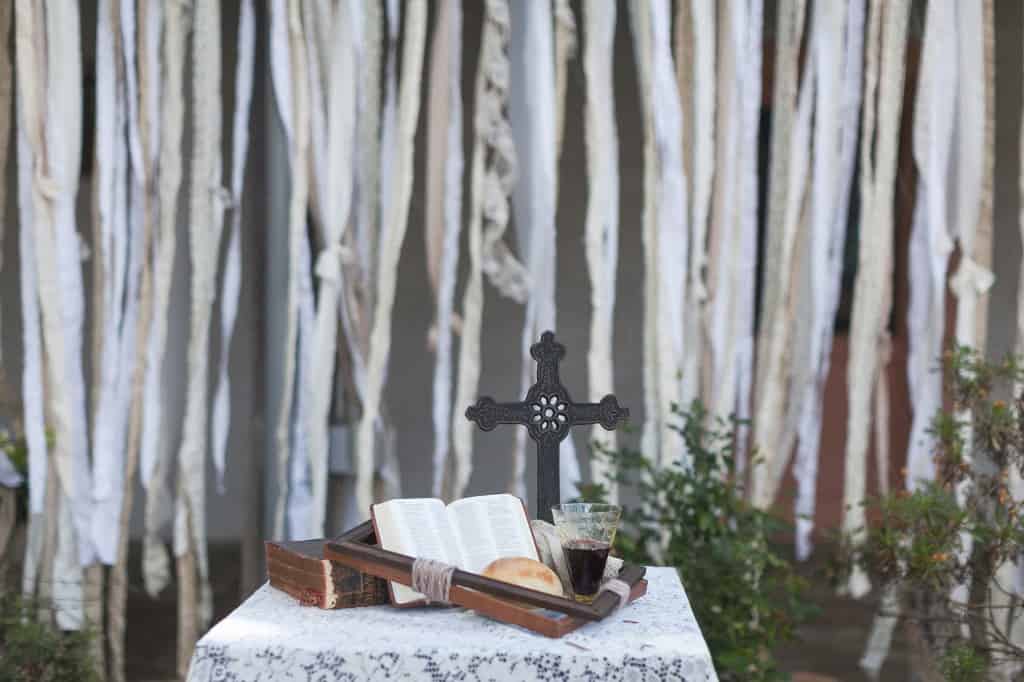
x=586, y=559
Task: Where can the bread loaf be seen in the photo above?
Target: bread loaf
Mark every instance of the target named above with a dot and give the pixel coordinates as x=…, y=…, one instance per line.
x=525, y=572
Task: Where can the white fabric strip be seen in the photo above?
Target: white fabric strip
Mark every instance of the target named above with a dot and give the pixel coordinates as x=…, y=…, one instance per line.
x=1018, y=481
x=42, y=69
x=386, y=460
x=337, y=207
x=746, y=272
x=120, y=313
x=280, y=62
x=1011, y=574
x=393, y=15
x=316, y=19
x=155, y=450
x=722, y=387
x=672, y=224
x=929, y=251
x=930, y=242
x=295, y=72
x=533, y=117
x=231, y=285
x=786, y=185
x=734, y=215
x=871, y=303
x=701, y=130
x=984, y=236
x=877, y=648
x=67, y=595
x=149, y=24
x=298, y=501
x=798, y=303
x=448, y=52
x=684, y=39
x=602, y=226
x=396, y=213
x=492, y=177
x=111, y=157
x=355, y=299
x=32, y=386
x=206, y=215
x=650, y=438
x=437, y=102
x=453, y=173
x=368, y=176
x=300, y=511
x=357, y=294
x=41, y=505
x=824, y=70
x=973, y=279
x=828, y=273
x=6, y=131
x=62, y=285
x=797, y=225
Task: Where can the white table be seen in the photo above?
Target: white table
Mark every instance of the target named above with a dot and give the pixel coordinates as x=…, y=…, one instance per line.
x=271, y=637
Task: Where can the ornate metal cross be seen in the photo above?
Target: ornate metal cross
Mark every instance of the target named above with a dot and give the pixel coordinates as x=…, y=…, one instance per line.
x=547, y=413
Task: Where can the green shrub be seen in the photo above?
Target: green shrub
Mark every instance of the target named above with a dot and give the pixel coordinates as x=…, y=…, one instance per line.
x=33, y=650
x=918, y=549
x=746, y=597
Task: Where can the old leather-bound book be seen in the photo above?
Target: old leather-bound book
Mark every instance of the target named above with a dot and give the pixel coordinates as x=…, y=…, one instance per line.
x=300, y=569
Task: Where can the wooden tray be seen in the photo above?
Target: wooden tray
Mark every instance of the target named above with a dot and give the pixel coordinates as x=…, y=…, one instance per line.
x=542, y=613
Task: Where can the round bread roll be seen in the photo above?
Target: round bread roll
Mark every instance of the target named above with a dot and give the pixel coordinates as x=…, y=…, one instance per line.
x=525, y=572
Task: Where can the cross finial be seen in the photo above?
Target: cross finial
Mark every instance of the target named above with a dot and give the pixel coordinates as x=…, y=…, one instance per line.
x=548, y=413
x=547, y=353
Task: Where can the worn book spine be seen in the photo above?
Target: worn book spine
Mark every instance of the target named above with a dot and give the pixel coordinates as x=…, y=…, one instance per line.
x=304, y=595
x=300, y=570
x=317, y=588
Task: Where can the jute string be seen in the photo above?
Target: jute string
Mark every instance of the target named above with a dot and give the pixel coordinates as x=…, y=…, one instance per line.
x=432, y=579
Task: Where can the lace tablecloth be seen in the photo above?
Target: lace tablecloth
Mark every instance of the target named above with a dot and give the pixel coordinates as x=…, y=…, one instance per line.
x=271, y=637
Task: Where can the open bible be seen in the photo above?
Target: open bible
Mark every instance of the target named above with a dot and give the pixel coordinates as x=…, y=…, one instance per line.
x=468, y=533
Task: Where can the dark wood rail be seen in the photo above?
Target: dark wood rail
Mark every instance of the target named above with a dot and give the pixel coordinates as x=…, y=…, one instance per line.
x=467, y=586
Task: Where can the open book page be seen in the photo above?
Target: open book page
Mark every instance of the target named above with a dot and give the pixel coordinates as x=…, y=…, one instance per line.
x=490, y=527
x=417, y=527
